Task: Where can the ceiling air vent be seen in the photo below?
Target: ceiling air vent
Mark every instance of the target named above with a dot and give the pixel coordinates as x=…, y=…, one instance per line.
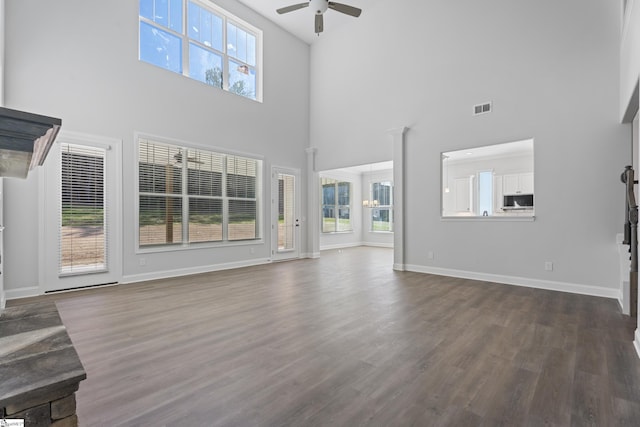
x=482, y=108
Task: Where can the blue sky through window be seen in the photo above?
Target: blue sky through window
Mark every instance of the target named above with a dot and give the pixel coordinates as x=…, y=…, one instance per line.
x=205, y=27
x=167, y=13
x=169, y=27
x=160, y=48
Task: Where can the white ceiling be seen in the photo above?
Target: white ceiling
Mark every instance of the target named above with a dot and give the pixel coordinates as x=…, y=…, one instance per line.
x=360, y=169
x=300, y=23
x=496, y=150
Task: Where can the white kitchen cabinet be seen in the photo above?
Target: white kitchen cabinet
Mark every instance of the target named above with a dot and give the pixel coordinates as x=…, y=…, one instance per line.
x=462, y=188
x=498, y=199
x=520, y=183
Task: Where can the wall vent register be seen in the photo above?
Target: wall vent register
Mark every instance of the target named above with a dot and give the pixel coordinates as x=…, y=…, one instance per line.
x=482, y=108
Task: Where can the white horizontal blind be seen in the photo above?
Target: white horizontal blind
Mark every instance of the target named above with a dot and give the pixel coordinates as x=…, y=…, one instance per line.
x=191, y=196
x=286, y=214
x=160, y=194
x=205, y=175
x=241, y=191
x=83, y=211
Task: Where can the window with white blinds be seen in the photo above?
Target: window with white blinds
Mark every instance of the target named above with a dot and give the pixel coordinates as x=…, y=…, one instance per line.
x=189, y=196
x=83, y=211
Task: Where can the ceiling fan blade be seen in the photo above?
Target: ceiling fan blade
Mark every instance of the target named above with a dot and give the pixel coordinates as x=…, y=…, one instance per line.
x=292, y=8
x=345, y=8
x=319, y=24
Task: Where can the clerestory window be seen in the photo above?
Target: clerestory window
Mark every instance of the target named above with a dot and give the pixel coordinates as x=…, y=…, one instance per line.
x=204, y=42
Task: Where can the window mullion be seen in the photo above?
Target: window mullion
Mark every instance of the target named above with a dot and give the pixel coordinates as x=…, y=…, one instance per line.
x=226, y=74
x=185, y=38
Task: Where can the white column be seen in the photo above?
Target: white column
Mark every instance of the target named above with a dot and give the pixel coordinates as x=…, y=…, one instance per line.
x=397, y=136
x=313, y=205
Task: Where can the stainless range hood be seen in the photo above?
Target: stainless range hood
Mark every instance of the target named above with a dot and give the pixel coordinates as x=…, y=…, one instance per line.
x=25, y=140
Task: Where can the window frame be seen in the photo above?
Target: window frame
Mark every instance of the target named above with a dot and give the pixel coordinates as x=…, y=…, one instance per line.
x=186, y=197
x=336, y=205
x=380, y=206
x=186, y=41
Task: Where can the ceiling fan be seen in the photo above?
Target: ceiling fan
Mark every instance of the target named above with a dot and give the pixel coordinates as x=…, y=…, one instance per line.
x=320, y=7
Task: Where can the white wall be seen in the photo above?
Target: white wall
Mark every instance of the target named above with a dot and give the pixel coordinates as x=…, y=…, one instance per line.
x=551, y=70
x=78, y=60
x=629, y=60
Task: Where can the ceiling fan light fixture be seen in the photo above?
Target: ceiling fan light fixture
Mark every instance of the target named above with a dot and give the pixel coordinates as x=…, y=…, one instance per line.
x=320, y=7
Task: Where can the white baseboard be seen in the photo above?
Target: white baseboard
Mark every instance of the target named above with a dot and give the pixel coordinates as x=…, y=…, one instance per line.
x=132, y=278
x=31, y=291
x=519, y=281
x=621, y=301
x=355, y=245
x=400, y=267
x=378, y=244
x=310, y=255
x=341, y=246
x=636, y=342
x=35, y=291
x=623, y=297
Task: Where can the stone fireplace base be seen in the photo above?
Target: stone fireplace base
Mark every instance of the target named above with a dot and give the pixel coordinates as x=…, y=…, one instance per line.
x=41, y=370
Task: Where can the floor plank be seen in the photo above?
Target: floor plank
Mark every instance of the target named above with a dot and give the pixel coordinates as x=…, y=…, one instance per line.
x=345, y=340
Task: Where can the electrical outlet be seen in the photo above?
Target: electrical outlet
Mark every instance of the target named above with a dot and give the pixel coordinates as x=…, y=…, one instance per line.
x=430, y=255
x=252, y=250
x=548, y=266
x=142, y=261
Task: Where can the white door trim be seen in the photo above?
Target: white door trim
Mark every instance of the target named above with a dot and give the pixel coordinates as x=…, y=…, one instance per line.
x=48, y=188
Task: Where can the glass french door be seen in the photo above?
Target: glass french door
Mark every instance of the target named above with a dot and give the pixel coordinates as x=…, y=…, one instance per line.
x=285, y=214
x=80, y=214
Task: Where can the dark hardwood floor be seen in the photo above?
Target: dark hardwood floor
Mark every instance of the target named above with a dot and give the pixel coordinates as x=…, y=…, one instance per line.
x=345, y=340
